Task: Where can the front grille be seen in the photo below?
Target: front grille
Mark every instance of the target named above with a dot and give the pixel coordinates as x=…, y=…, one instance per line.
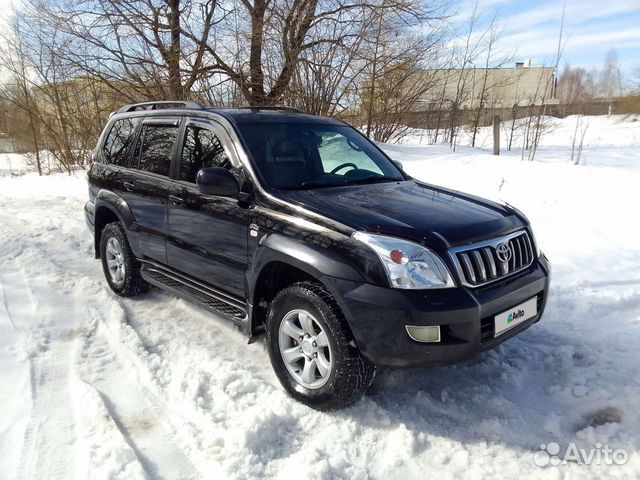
x=483, y=263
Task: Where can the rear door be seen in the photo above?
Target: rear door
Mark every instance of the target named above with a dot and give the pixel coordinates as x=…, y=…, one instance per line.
x=146, y=188
x=207, y=233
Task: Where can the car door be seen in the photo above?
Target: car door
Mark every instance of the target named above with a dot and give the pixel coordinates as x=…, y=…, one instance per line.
x=110, y=169
x=207, y=234
x=146, y=188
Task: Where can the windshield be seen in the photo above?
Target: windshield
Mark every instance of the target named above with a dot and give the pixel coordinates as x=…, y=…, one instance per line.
x=301, y=156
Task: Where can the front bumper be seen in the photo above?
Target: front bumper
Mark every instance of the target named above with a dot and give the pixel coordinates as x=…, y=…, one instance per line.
x=378, y=316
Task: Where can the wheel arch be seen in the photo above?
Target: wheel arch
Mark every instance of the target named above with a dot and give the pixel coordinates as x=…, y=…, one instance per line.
x=276, y=268
x=109, y=208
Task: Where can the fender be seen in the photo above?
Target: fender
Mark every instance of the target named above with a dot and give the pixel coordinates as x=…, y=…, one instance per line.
x=308, y=258
x=116, y=205
x=313, y=260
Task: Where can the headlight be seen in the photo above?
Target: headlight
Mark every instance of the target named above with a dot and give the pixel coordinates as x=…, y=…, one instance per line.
x=407, y=264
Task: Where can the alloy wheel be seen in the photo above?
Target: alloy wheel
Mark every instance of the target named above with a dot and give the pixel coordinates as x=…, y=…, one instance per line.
x=305, y=349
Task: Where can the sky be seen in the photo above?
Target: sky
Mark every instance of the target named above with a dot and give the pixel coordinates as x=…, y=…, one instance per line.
x=591, y=29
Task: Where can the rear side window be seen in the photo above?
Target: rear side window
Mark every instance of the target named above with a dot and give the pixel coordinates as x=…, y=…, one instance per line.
x=119, y=141
x=202, y=148
x=155, y=149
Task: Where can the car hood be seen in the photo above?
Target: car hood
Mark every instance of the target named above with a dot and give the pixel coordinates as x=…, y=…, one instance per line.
x=437, y=217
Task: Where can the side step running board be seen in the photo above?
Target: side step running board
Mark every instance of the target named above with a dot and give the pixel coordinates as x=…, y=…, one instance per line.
x=204, y=295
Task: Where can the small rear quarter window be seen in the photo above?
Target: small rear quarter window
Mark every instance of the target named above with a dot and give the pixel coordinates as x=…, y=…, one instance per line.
x=119, y=141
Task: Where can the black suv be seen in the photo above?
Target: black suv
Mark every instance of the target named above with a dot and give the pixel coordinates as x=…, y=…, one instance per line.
x=300, y=227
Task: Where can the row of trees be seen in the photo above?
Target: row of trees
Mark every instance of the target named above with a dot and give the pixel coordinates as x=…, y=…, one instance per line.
x=68, y=63
x=581, y=86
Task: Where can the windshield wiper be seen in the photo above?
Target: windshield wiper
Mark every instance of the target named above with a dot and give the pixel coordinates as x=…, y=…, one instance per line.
x=318, y=184
x=367, y=179
x=372, y=179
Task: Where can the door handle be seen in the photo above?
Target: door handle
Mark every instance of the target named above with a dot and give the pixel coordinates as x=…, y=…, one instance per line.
x=176, y=200
x=129, y=186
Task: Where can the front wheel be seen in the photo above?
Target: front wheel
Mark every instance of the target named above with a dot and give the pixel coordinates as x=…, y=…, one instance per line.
x=121, y=268
x=312, y=350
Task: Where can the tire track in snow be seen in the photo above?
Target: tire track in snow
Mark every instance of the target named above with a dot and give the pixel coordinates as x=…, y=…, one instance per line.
x=49, y=431
x=39, y=306
x=140, y=418
x=5, y=303
x=141, y=423
x=49, y=434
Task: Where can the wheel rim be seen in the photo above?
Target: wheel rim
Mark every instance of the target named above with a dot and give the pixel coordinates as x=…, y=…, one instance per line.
x=305, y=350
x=115, y=261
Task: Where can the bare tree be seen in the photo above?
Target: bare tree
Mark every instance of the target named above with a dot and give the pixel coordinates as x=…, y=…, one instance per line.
x=537, y=125
x=489, y=83
x=395, y=77
x=575, y=86
x=577, y=142
x=18, y=91
x=609, y=83
x=139, y=48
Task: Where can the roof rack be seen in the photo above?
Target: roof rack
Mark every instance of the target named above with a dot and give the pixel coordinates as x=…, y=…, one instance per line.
x=154, y=105
x=282, y=109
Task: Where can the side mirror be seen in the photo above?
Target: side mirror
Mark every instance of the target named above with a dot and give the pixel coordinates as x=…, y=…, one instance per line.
x=398, y=164
x=217, y=181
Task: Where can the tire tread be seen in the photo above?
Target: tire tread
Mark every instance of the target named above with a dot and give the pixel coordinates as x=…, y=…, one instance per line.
x=355, y=373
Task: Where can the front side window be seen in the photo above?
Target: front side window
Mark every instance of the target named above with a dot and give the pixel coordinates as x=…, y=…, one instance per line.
x=202, y=148
x=156, y=146
x=119, y=140
x=302, y=156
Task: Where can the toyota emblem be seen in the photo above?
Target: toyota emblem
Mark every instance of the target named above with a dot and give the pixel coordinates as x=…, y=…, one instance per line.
x=503, y=250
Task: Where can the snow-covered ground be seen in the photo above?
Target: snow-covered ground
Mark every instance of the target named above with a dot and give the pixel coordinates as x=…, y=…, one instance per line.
x=94, y=386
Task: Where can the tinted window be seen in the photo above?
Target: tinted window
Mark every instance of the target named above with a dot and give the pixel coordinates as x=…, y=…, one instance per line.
x=119, y=140
x=301, y=156
x=202, y=148
x=156, y=148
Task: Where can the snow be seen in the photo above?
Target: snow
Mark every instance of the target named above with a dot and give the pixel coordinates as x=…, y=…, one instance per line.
x=95, y=386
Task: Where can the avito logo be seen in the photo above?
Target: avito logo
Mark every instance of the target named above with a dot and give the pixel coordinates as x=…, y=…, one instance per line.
x=515, y=315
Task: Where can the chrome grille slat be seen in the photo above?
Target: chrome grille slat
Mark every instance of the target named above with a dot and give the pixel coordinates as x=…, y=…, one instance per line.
x=479, y=264
x=529, y=248
x=504, y=268
x=467, y=263
x=521, y=251
x=512, y=261
x=488, y=255
x=517, y=254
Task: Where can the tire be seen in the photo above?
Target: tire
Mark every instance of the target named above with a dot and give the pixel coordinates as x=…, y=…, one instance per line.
x=350, y=373
x=114, y=246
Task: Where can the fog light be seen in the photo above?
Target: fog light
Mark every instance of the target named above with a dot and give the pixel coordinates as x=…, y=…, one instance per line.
x=424, y=334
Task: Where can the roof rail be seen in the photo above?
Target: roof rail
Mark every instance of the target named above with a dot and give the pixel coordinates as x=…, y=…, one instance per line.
x=154, y=105
x=282, y=109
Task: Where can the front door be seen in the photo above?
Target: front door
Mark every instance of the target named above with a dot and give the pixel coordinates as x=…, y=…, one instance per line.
x=207, y=234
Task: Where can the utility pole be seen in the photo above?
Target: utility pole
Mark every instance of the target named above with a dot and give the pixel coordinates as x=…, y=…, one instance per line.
x=496, y=134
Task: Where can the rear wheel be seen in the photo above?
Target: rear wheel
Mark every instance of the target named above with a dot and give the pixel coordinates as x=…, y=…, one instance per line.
x=121, y=268
x=312, y=350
